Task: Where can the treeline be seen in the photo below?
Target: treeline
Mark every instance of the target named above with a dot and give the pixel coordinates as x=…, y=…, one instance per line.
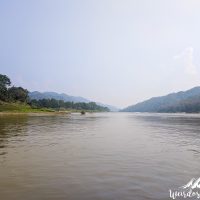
x=61, y=105
x=10, y=93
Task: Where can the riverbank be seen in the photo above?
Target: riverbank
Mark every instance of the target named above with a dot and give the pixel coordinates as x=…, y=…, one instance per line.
x=22, y=108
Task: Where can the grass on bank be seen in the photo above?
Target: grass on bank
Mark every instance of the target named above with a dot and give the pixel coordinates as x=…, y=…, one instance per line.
x=19, y=107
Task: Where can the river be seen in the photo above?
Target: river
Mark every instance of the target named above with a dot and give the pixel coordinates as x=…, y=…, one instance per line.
x=98, y=156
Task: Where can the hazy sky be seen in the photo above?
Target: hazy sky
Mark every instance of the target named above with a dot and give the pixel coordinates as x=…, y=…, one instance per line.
x=117, y=52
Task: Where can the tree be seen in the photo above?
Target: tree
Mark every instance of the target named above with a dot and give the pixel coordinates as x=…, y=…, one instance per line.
x=60, y=104
x=18, y=94
x=4, y=83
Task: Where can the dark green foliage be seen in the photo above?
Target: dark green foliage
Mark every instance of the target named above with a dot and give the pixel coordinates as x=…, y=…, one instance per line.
x=60, y=105
x=11, y=94
x=4, y=83
x=18, y=94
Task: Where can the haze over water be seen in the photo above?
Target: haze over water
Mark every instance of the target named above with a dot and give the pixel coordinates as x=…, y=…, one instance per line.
x=97, y=156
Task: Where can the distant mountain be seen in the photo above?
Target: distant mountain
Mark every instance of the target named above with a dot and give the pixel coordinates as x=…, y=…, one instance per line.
x=187, y=101
x=111, y=108
x=53, y=95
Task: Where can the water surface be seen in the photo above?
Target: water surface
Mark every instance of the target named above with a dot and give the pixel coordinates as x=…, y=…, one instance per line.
x=99, y=156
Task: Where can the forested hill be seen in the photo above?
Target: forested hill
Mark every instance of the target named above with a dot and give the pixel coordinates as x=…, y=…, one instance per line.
x=66, y=98
x=53, y=95
x=184, y=101
x=17, y=99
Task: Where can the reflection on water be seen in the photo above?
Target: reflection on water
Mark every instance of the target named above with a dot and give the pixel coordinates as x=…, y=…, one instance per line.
x=97, y=156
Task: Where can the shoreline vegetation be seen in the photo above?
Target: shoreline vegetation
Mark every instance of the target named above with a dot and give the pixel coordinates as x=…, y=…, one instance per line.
x=15, y=100
x=22, y=108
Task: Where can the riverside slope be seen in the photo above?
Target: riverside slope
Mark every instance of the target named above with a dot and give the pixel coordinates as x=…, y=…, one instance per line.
x=183, y=101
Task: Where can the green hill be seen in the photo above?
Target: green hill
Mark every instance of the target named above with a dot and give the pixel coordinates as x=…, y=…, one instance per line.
x=184, y=101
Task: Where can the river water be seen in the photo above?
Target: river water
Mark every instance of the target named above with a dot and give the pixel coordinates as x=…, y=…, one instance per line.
x=99, y=156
